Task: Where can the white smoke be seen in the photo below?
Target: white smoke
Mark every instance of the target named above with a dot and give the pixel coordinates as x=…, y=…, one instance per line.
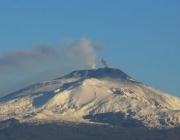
x=93, y=66
x=85, y=51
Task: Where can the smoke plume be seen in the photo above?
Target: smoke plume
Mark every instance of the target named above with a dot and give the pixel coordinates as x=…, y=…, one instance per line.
x=19, y=68
x=85, y=51
x=104, y=62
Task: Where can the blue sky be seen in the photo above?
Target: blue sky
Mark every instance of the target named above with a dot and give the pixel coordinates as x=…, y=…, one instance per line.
x=139, y=37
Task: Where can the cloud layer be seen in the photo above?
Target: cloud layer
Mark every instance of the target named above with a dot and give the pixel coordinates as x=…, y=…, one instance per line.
x=19, y=68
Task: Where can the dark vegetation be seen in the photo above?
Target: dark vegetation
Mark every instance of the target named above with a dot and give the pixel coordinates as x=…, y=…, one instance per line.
x=13, y=130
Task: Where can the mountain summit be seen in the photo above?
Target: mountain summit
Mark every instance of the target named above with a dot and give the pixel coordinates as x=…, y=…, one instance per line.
x=105, y=95
x=101, y=73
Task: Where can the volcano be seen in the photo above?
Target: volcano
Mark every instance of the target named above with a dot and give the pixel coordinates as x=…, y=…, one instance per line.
x=104, y=95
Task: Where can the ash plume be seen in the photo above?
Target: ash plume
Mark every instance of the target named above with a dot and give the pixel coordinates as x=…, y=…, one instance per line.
x=104, y=62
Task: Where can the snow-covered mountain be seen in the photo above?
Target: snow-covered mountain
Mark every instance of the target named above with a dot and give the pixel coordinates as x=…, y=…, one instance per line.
x=83, y=94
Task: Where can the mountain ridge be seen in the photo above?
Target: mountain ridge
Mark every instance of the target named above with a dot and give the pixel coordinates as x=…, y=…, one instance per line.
x=94, y=73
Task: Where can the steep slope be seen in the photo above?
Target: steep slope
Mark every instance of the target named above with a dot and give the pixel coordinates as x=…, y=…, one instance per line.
x=92, y=95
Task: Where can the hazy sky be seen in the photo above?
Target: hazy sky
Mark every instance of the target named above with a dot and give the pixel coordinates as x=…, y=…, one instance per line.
x=45, y=39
